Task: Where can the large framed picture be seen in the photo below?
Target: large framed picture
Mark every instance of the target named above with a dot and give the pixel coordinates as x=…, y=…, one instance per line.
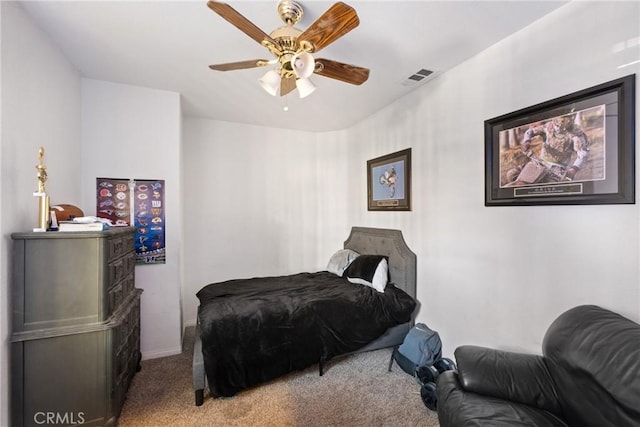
x=389, y=182
x=576, y=149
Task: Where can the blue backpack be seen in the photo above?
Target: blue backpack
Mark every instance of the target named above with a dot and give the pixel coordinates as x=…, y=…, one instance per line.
x=420, y=355
x=421, y=348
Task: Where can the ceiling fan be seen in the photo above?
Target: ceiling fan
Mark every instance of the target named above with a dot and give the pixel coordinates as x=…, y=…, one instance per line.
x=293, y=48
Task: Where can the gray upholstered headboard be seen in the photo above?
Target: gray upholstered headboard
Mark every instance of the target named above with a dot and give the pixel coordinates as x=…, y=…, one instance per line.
x=380, y=241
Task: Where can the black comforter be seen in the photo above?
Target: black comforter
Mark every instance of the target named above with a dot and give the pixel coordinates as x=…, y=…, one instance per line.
x=254, y=330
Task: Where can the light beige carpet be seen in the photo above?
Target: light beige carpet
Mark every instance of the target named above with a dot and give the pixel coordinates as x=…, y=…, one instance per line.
x=355, y=390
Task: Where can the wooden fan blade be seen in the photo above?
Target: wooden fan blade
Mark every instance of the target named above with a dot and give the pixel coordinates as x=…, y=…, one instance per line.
x=239, y=65
x=287, y=84
x=340, y=71
x=337, y=21
x=239, y=21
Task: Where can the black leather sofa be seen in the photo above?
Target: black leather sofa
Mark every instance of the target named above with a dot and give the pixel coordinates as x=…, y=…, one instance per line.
x=588, y=376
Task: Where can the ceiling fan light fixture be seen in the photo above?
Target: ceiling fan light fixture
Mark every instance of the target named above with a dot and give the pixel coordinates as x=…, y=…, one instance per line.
x=303, y=64
x=293, y=48
x=270, y=82
x=305, y=87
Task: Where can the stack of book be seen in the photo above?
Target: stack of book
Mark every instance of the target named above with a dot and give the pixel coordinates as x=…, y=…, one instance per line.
x=84, y=224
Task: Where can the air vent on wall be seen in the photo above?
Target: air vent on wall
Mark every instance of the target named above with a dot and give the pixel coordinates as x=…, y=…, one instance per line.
x=417, y=78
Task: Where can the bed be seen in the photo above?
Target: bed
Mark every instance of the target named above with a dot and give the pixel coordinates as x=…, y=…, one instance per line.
x=246, y=336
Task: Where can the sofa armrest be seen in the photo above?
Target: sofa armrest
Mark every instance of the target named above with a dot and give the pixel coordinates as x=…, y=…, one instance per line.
x=451, y=398
x=460, y=408
x=517, y=377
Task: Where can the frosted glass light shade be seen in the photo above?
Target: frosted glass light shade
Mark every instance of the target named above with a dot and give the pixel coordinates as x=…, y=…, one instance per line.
x=303, y=64
x=270, y=82
x=305, y=87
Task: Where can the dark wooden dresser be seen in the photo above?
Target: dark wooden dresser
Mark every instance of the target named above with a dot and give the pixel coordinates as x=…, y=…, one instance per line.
x=75, y=345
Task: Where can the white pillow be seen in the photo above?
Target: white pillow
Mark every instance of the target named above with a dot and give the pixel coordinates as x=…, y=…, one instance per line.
x=340, y=261
x=369, y=270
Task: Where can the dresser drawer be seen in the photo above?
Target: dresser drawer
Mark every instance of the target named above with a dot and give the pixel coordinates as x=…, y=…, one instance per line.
x=128, y=284
x=120, y=245
x=121, y=267
x=116, y=296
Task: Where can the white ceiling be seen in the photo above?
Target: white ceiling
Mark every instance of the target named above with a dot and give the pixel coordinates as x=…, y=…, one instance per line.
x=168, y=45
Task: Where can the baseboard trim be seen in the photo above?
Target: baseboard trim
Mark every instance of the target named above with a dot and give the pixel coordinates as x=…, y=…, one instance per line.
x=162, y=353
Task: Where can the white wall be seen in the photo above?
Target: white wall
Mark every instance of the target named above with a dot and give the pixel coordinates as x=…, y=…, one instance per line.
x=250, y=197
x=5, y=326
x=499, y=276
x=488, y=276
x=40, y=107
x=133, y=132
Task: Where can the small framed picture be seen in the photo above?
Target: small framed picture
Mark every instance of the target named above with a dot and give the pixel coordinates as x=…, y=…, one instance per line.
x=389, y=182
x=573, y=150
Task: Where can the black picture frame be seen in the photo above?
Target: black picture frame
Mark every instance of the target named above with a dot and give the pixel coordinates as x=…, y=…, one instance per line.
x=389, y=182
x=525, y=151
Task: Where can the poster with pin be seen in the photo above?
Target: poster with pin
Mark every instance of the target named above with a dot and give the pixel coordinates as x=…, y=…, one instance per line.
x=137, y=203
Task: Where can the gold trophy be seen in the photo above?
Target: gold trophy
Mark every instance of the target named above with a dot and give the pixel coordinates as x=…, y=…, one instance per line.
x=43, y=199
